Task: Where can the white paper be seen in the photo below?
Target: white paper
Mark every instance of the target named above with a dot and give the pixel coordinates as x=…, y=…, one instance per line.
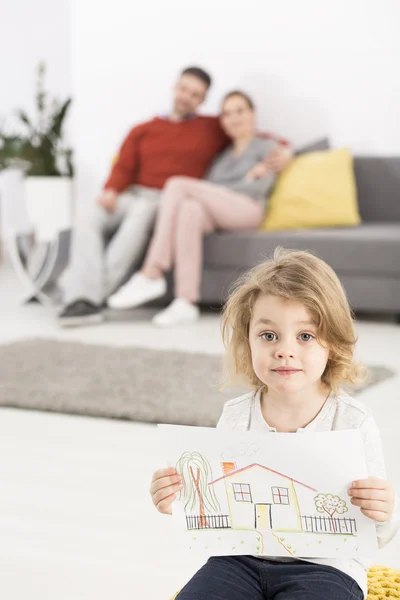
x=274, y=494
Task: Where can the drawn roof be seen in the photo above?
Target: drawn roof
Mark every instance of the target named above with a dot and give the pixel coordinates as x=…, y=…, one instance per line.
x=262, y=466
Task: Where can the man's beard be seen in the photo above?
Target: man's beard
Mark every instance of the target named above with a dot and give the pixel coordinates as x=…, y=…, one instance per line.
x=182, y=111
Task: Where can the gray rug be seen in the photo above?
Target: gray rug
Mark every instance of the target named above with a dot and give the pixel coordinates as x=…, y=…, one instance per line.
x=121, y=383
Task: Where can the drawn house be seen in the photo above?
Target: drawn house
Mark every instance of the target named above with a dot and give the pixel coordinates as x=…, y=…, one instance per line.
x=267, y=500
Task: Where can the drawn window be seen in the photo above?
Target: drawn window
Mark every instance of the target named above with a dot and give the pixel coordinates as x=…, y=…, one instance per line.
x=242, y=492
x=280, y=495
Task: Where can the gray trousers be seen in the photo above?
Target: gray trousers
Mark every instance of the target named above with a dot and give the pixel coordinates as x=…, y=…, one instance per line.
x=96, y=270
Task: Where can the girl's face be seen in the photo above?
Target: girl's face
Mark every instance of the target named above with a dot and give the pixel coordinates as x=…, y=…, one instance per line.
x=286, y=355
x=237, y=118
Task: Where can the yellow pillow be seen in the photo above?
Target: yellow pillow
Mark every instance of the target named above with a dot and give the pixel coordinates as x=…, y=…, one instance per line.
x=316, y=190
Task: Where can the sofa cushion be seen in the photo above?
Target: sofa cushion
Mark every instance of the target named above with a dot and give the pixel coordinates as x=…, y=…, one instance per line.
x=368, y=248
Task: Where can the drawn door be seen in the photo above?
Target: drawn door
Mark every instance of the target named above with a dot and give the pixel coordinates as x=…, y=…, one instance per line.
x=263, y=518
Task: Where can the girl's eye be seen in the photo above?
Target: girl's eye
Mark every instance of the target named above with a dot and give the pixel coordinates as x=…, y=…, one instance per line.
x=306, y=337
x=269, y=336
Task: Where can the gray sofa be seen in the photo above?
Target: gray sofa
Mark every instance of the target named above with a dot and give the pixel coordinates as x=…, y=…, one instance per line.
x=366, y=258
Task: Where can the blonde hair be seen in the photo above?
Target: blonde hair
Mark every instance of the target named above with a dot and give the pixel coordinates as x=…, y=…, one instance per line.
x=301, y=276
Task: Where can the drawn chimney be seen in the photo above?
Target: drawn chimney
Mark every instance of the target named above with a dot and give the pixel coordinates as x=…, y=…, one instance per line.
x=228, y=467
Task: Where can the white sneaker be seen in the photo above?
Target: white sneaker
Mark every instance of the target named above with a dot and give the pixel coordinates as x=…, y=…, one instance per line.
x=137, y=291
x=178, y=312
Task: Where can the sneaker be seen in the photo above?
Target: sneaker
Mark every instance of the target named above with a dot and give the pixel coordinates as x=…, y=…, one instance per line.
x=137, y=291
x=178, y=312
x=80, y=312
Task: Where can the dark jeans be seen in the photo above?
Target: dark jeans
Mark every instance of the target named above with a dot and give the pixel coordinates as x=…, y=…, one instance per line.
x=249, y=578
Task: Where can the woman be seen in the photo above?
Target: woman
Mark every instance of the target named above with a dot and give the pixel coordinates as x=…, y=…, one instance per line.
x=231, y=198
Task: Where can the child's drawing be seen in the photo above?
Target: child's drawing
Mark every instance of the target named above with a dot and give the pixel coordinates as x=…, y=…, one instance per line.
x=259, y=498
x=243, y=500
x=331, y=505
x=239, y=450
x=196, y=471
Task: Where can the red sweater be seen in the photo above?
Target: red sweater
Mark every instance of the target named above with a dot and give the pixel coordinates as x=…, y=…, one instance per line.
x=159, y=149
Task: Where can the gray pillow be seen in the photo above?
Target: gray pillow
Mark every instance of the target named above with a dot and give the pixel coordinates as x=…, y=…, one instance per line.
x=323, y=144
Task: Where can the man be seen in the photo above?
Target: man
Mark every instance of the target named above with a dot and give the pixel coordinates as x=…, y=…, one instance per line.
x=182, y=143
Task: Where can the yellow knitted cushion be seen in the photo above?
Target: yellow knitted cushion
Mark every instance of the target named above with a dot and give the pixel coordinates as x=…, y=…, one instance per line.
x=383, y=584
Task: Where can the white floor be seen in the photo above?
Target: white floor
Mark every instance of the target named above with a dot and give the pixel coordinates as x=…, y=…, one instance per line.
x=76, y=519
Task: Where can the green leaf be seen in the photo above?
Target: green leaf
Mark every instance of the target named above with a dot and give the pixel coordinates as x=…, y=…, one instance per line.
x=67, y=153
x=39, y=150
x=10, y=150
x=40, y=93
x=24, y=117
x=58, y=120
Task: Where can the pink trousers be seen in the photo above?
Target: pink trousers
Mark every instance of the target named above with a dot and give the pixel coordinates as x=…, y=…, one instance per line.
x=189, y=209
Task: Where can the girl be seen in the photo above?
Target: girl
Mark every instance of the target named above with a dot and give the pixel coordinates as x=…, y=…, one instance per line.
x=289, y=333
x=232, y=198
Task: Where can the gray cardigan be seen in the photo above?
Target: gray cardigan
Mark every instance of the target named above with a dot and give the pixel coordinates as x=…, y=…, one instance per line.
x=230, y=170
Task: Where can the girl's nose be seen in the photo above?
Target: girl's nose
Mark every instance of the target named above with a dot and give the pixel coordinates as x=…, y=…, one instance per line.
x=283, y=353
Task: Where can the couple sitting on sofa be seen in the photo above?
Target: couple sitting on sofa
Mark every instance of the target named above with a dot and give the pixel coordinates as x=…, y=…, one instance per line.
x=188, y=174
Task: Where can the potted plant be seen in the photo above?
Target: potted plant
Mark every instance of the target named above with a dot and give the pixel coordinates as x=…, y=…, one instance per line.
x=37, y=148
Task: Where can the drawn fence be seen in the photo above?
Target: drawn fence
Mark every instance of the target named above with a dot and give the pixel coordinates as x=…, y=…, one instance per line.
x=208, y=522
x=328, y=524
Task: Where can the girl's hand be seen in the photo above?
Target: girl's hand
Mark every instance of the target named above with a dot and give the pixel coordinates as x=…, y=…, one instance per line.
x=165, y=485
x=258, y=171
x=374, y=496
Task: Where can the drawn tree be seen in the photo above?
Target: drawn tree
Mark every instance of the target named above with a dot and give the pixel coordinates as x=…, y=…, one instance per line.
x=330, y=504
x=197, y=474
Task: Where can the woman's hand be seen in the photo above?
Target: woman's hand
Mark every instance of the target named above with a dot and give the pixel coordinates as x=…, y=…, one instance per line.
x=278, y=159
x=259, y=171
x=374, y=496
x=165, y=485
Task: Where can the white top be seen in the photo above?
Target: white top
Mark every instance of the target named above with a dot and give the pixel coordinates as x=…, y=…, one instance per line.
x=338, y=413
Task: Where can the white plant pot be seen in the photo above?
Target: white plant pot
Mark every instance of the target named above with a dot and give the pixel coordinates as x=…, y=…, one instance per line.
x=48, y=202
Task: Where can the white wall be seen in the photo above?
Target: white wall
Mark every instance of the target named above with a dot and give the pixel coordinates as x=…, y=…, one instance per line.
x=314, y=68
x=30, y=32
